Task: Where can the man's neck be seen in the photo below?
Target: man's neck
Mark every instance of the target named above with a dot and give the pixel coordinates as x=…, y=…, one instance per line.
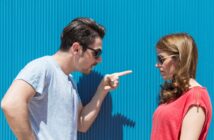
x=65, y=62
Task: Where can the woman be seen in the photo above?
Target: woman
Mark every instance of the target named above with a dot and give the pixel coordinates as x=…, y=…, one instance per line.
x=185, y=110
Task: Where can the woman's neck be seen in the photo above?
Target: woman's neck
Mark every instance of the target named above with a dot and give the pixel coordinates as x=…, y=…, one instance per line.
x=193, y=83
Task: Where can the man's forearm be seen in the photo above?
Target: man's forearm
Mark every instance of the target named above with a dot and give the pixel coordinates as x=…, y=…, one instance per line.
x=89, y=113
x=17, y=117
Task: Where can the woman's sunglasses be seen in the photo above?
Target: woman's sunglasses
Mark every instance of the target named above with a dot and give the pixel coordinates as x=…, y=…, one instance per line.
x=161, y=59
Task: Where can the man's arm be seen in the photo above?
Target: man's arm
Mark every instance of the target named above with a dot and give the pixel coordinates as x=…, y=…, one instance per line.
x=15, y=108
x=88, y=114
x=192, y=124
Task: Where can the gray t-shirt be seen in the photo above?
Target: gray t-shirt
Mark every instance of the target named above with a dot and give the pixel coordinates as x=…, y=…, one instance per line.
x=53, y=111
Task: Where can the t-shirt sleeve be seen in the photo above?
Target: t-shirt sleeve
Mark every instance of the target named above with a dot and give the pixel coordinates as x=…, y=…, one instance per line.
x=197, y=97
x=34, y=73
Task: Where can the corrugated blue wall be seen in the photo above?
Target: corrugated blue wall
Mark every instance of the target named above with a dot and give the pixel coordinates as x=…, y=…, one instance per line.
x=31, y=28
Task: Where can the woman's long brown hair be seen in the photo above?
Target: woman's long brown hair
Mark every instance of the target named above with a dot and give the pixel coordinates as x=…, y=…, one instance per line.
x=184, y=46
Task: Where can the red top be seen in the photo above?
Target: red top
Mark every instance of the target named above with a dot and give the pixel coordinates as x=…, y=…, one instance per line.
x=167, y=119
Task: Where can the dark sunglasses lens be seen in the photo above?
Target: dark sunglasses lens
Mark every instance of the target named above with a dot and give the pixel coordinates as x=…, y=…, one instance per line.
x=160, y=60
x=98, y=53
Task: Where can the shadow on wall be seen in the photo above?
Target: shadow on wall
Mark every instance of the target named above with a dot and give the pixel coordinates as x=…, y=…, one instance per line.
x=106, y=125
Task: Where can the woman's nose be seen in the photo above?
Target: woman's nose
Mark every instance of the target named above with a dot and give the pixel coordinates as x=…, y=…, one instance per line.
x=157, y=65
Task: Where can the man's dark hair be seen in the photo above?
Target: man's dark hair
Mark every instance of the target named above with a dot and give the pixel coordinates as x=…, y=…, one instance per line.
x=81, y=30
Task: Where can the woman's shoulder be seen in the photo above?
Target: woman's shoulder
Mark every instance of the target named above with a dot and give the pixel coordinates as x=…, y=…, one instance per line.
x=198, y=95
x=196, y=88
x=196, y=91
x=193, y=83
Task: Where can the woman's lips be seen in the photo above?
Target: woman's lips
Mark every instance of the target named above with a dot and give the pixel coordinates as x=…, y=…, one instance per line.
x=161, y=72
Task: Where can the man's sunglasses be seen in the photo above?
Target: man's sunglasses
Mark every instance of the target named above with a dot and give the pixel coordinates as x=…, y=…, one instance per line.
x=96, y=52
x=161, y=59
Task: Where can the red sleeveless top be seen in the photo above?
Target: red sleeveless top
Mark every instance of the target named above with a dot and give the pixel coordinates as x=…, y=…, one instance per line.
x=168, y=118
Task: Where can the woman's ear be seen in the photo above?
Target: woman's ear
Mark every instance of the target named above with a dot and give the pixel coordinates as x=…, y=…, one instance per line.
x=176, y=62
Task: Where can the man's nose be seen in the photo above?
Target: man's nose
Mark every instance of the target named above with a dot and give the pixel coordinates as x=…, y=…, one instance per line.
x=98, y=60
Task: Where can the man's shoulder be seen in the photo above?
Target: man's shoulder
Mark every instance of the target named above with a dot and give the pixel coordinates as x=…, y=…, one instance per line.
x=41, y=62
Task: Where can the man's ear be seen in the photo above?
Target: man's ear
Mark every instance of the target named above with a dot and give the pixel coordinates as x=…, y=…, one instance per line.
x=76, y=48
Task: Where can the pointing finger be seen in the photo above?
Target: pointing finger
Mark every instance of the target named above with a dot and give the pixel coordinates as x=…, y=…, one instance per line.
x=123, y=73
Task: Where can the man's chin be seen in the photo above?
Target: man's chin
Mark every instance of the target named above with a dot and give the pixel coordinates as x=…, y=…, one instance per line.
x=87, y=72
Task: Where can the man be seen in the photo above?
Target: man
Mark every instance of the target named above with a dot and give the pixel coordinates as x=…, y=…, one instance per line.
x=42, y=102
